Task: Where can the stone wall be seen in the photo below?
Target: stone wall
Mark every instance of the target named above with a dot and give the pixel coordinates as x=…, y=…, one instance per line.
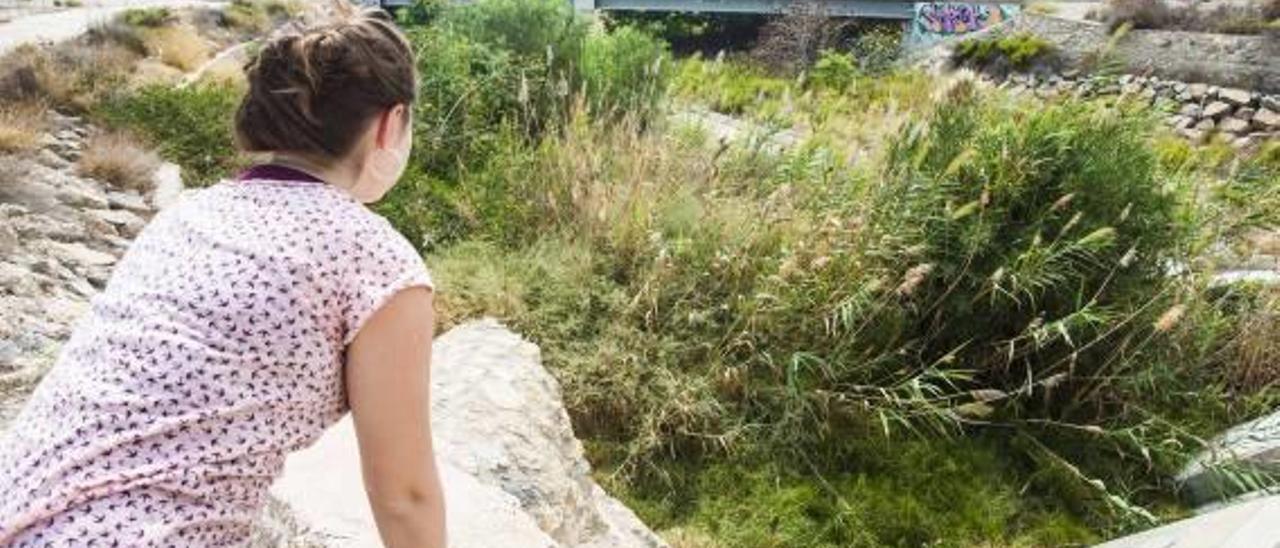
x=1248, y=62
x=1197, y=110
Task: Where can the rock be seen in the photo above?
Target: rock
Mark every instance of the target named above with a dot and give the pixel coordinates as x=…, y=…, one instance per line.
x=81, y=196
x=1233, y=125
x=1237, y=97
x=1217, y=109
x=325, y=497
x=51, y=159
x=1191, y=110
x=8, y=240
x=77, y=255
x=505, y=449
x=16, y=279
x=1271, y=102
x=1245, y=113
x=1185, y=122
x=1251, y=448
x=1206, y=124
x=1194, y=135
x=129, y=200
x=1198, y=92
x=9, y=353
x=127, y=222
x=1266, y=119
x=166, y=185
x=1250, y=524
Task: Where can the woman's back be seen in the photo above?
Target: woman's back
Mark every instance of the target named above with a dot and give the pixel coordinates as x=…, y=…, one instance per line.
x=216, y=348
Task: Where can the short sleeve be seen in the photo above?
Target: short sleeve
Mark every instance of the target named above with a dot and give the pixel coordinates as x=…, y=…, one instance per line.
x=385, y=264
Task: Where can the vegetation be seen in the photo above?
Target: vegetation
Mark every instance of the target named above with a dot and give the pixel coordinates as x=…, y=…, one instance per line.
x=1018, y=50
x=20, y=126
x=946, y=318
x=1254, y=17
x=117, y=159
x=190, y=126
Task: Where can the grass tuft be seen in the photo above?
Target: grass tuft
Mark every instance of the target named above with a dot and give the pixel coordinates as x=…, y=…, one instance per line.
x=119, y=160
x=21, y=125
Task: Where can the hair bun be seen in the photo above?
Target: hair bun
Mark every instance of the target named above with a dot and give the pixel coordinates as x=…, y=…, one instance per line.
x=312, y=91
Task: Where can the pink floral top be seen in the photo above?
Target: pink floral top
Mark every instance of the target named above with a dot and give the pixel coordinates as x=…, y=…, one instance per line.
x=216, y=349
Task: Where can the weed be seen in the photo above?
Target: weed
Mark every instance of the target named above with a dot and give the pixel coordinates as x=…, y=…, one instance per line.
x=147, y=17
x=177, y=46
x=118, y=160
x=21, y=125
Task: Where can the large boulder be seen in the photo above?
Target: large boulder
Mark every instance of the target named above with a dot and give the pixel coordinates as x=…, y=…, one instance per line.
x=1235, y=463
x=1251, y=524
x=505, y=448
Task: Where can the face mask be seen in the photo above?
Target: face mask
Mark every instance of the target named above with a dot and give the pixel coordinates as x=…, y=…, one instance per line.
x=381, y=171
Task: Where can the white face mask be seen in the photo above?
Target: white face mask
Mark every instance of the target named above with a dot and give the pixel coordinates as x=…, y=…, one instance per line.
x=382, y=169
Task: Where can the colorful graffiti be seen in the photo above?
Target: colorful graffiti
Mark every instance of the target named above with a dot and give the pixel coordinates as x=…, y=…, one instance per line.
x=935, y=20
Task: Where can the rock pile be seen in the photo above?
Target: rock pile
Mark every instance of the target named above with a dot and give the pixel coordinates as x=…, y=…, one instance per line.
x=1197, y=110
x=60, y=236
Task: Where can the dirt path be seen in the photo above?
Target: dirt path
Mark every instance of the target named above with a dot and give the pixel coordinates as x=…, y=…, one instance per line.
x=67, y=23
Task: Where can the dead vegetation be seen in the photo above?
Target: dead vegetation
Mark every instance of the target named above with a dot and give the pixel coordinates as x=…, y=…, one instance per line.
x=20, y=126
x=119, y=160
x=1255, y=17
x=796, y=38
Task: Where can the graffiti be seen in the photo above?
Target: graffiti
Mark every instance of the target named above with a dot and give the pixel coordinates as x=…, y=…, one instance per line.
x=934, y=20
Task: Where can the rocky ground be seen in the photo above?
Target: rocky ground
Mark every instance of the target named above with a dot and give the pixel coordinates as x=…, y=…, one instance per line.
x=60, y=235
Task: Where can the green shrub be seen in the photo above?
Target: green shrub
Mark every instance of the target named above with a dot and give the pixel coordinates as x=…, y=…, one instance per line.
x=1018, y=50
x=147, y=17
x=189, y=126
x=625, y=71
x=834, y=70
x=248, y=16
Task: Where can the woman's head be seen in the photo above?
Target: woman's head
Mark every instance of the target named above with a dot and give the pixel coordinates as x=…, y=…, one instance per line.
x=337, y=95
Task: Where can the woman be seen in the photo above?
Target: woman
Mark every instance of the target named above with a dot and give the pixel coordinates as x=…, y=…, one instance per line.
x=245, y=320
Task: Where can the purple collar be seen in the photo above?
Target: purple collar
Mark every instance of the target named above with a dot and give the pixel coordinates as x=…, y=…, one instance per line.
x=275, y=172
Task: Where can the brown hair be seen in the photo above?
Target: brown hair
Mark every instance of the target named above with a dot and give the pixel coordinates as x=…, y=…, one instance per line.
x=314, y=92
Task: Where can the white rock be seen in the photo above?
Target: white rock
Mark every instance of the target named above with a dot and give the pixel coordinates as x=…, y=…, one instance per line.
x=126, y=221
x=1198, y=92
x=1233, y=125
x=1206, y=124
x=1217, y=109
x=1266, y=119
x=75, y=254
x=8, y=240
x=505, y=449
x=166, y=185
x=1191, y=110
x=322, y=489
x=128, y=200
x=1237, y=97
x=1251, y=524
x=81, y=196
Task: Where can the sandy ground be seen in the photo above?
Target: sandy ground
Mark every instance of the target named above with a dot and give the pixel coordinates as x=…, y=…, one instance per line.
x=33, y=25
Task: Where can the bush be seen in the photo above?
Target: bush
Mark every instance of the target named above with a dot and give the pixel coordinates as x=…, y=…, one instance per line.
x=502, y=67
x=147, y=17
x=1017, y=50
x=20, y=126
x=178, y=46
x=834, y=70
x=117, y=159
x=625, y=71
x=189, y=126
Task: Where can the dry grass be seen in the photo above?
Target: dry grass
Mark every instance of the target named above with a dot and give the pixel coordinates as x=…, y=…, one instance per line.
x=119, y=160
x=75, y=74
x=20, y=126
x=1254, y=366
x=1041, y=8
x=179, y=46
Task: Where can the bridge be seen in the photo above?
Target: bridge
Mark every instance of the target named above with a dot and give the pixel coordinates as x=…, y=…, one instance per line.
x=872, y=9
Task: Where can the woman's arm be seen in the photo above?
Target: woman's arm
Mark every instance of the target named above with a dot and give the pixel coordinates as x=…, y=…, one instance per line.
x=388, y=384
